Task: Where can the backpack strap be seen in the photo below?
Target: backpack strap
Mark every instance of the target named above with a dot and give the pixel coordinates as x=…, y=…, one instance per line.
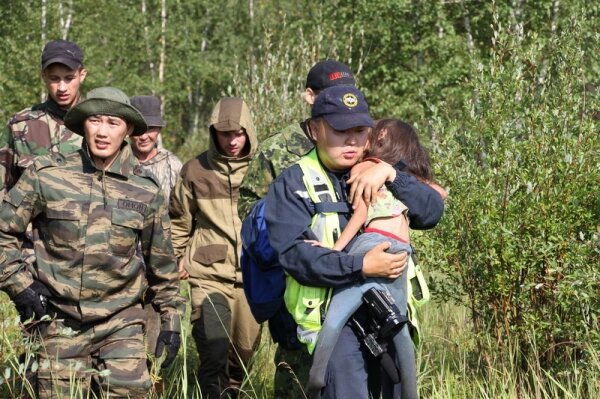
x=337, y=207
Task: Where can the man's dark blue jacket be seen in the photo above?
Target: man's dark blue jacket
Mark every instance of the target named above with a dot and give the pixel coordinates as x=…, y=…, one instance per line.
x=289, y=210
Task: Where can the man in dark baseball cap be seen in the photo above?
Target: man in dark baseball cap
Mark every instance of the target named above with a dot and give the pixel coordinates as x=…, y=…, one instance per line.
x=62, y=52
x=284, y=148
x=276, y=153
x=165, y=166
x=63, y=73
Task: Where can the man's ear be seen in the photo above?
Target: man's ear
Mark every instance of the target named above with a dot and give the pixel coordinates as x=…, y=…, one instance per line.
x=129, y=128
x=82, y=74
x=311, y=127
x=309, y=96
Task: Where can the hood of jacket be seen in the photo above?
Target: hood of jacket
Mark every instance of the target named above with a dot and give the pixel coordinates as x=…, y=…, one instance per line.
x=231, y=113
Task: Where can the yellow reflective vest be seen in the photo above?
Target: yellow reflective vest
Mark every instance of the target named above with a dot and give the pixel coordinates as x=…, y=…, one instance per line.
x=308, y=304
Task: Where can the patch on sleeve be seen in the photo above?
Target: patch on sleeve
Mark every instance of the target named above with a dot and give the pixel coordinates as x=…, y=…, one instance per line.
x=132, y=205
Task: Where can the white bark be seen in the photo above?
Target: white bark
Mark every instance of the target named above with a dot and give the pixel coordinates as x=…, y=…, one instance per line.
x=44, y=23
x=147, y=43
x=65, y=21
x=163, y=33
x=163, y=45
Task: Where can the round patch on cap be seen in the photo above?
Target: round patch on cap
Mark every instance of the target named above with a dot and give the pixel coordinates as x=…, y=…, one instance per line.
x=350, y=100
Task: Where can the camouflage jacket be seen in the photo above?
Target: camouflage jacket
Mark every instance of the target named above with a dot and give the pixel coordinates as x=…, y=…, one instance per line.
x=165, y=166
x=34, y=131
x=87, y=224
x=275, y=154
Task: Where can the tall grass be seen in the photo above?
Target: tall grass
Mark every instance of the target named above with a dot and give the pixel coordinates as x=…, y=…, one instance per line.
x=449, y=364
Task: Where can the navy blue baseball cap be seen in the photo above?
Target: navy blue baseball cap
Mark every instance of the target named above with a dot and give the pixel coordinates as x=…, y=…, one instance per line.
x=343, y=107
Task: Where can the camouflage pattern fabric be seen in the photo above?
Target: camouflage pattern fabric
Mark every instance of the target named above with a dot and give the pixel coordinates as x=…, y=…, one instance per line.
x=34, y=131
x=166, y=167
x=87, y=224
x=75, y=356
x=275, y=154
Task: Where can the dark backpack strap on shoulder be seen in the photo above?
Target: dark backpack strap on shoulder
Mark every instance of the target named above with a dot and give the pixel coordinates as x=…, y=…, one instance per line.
x=337, y=207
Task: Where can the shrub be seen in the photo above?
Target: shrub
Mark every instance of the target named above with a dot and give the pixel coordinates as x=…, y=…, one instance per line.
x=520, y=238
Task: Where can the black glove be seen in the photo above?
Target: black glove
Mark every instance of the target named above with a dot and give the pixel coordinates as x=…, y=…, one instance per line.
x=172, y=341
x=32, y=301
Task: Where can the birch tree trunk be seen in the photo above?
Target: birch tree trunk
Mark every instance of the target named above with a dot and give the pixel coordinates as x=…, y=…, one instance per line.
x=148, y=47
x=65, y=21
x=44, y=23
x=163, y=46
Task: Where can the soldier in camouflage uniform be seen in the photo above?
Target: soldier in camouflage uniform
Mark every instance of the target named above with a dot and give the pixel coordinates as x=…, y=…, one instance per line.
x=40, y=129
x=90, y=209
x=165, y=166
x=163, y=163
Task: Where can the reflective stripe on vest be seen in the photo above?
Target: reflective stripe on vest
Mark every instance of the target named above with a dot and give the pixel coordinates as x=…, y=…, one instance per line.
x=307, y=304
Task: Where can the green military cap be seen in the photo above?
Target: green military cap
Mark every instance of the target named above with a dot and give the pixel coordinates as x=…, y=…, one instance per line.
x=105, y=101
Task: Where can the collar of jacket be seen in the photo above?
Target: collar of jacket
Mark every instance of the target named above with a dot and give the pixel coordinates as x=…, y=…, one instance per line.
x=226, y=165
x=295, y=142
x=160, y=156
x=122, y=165
x=52, y=107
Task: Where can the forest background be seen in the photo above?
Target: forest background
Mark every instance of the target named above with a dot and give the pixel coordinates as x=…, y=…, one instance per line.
x=504, y=94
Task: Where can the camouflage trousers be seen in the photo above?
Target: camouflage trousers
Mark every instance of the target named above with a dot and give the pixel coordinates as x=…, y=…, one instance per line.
x=153, y=324
x=107, y=358
x=225, y=334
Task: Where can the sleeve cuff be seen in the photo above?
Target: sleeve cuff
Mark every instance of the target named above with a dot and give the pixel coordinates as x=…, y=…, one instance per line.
x=170, y=322
x=17, y=283
x=357, y=266
x=401, y=181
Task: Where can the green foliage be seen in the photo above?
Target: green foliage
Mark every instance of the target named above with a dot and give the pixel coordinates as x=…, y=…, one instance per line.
x=272, y=77
x=505, y=93
x=521, y=229
x=450, y=368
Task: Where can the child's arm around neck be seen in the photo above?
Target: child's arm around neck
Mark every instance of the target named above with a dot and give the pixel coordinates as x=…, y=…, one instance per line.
x=359, y=215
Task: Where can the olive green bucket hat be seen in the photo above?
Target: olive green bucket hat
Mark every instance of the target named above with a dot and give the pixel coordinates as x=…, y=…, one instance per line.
x=105, y=101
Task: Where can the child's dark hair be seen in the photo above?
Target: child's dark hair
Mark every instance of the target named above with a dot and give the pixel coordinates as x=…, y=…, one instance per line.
x=392, y=140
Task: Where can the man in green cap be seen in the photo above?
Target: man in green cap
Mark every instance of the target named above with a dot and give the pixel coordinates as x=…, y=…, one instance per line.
x=90, y=209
